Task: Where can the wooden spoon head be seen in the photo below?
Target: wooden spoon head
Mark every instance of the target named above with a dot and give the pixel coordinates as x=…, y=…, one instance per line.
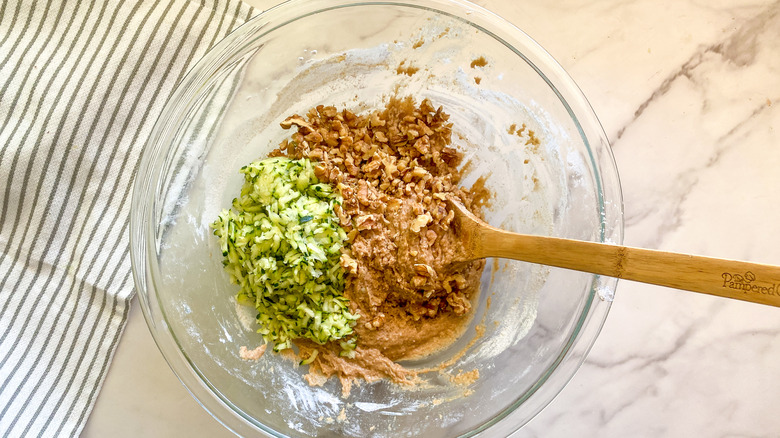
x=468, y=228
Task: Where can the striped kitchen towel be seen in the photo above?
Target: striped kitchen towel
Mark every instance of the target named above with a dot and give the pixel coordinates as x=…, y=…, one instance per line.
x=81, y=84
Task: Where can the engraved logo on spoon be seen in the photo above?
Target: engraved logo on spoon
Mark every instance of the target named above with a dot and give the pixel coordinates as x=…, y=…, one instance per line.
x=747, y=283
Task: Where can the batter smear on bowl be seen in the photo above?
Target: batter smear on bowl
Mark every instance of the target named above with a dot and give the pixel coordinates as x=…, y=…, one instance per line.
x=394, y=169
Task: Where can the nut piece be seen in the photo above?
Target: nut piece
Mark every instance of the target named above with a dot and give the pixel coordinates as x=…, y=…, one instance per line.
x=420, y=221
x=393, y=204
x=460, y=281
x=349, y=264
x=304, y=127
x=424, y=270
x=418, y=281
x=366, y=222
x=460, y=305
x=419, y=172
x=376, y=322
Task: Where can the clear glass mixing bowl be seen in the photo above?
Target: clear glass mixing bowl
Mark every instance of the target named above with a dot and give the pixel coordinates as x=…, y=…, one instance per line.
x=533, y=325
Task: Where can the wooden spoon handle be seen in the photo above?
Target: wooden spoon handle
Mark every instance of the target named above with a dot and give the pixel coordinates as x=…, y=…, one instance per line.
x=754, y=282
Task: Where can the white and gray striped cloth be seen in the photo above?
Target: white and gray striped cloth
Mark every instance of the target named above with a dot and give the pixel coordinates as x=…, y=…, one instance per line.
x=81, y=84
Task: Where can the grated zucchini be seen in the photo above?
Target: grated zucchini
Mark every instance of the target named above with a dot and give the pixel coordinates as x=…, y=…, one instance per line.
x=281, y=244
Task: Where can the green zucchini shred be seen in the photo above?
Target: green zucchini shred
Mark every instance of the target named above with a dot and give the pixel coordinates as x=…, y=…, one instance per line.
x=282, y=244
x=310, y=359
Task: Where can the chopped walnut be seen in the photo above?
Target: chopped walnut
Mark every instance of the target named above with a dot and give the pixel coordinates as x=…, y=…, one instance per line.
x=425, y=270
x=303, y=126
x=418, y=281
x=366, y=222
x=393, y=204
x=420, y=221
x=349, y=264
x=459, y=303
x=376, y=322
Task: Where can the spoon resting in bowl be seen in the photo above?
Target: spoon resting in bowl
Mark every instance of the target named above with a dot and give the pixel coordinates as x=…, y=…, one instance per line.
x=754, y=282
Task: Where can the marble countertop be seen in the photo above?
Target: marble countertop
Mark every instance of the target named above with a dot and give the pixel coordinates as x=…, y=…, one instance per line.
x=688, y=93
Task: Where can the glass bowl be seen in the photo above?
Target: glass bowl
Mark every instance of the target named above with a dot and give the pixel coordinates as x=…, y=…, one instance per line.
x=532, y=325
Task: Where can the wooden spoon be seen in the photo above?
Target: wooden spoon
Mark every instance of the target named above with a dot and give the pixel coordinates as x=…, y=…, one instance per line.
x=754, y=282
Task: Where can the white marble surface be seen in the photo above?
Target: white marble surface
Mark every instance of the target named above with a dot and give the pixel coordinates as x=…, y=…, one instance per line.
x=688, y=92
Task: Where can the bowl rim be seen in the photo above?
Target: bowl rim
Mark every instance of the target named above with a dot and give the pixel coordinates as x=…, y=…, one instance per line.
x=598, y=301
